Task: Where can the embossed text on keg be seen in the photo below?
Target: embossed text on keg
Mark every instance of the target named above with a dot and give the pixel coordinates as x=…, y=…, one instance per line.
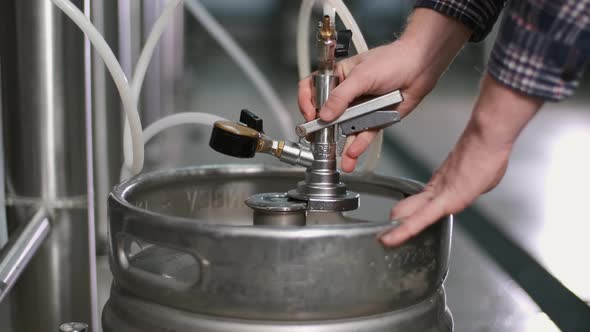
x=142, y=204
x=215, y=198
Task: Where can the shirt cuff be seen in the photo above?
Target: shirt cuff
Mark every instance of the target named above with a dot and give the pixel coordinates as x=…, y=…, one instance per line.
x=534, y=63
x=477, y=15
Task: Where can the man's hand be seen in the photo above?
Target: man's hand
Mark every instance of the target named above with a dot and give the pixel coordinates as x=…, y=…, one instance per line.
x=476, y=164
x=412, y=64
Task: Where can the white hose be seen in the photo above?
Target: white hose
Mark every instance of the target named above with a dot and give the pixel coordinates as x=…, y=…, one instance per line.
x=357, y=37
x=360, y=45
x=178, y=119
x=144, y=60
x=174, y=120
x=302, y=41
x=150, y=45
x=135, y=160
x=245, y=63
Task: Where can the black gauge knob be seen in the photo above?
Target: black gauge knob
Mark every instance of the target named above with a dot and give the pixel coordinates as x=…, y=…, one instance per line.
x=234, y=139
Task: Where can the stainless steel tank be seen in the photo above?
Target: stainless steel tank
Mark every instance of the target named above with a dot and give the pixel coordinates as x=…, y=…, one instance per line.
x=185, y=255
x=43, y=101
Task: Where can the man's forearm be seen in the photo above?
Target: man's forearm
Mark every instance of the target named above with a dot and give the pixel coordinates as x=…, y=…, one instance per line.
x=437, y=37
x=501, y=113
x=476, y=164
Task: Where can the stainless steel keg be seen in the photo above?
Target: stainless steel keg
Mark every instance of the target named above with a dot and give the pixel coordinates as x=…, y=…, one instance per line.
x=185, y=255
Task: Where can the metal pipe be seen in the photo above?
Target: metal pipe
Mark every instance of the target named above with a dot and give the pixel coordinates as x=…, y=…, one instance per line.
x=42, y=55
x=3, y=224
x=107, y=120
x=20, y=250
x=323, y=172
x=90, y=183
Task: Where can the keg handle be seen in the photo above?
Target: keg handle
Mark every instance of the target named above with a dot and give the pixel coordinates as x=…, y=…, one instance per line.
x=153, y=280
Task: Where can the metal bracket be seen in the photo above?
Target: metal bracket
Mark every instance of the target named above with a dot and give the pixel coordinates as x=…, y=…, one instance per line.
x=374, y=120
x=21, y=249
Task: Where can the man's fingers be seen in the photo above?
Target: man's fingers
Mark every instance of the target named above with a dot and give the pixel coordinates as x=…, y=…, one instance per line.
x=348, y=164
x=410, y=205
x=344, y=67
x=360, y=144
x=354, y=147
x=415, y=223
x=304, y=99
x=339, y=99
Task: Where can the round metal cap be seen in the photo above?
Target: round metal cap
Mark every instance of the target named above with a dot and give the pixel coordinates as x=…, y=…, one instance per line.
x=73, y=327
x=275, y=202
x=277, y=209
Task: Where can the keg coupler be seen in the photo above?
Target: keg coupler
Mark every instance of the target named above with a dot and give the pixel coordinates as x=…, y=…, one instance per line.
x=319, y=144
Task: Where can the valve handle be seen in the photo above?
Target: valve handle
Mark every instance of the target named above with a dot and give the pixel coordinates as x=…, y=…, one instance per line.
x=234, y=139
x=358, y=113
x=251, y=120
x=342, y=43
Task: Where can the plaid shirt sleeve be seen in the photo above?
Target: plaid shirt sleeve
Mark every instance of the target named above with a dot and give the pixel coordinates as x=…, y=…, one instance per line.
x=479, y=15
x=542, y=47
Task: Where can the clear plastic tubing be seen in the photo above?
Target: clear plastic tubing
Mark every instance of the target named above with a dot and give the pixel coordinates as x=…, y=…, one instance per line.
x=245, y=63
x=150, y=45
x=144, y=61
x=174, y=120
x=302, y=41
x=360, y=45
x=134, y=161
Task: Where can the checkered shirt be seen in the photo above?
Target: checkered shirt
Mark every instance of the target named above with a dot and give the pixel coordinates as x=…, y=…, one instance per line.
x=542, y=47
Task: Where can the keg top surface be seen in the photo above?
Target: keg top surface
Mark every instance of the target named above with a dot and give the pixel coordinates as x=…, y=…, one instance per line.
x=214, y=196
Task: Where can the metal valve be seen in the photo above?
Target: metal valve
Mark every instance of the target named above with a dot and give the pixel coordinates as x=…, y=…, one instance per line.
x=321, y=190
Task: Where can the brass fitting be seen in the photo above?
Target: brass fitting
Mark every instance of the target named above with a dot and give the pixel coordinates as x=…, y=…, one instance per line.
x=326, y=32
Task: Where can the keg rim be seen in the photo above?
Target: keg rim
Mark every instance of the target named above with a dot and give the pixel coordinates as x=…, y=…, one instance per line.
x=118, y=199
